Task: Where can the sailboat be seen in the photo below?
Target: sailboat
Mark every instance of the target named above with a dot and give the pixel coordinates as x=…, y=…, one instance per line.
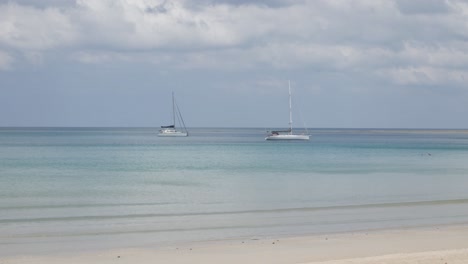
x=287, y=134
x=171, y=130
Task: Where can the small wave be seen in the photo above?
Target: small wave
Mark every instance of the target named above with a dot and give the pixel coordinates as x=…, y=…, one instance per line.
x=55, y=206
x=257, y=211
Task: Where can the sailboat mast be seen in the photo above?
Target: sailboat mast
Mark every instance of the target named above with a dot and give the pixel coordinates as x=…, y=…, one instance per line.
x=290, y=108
x=173, y=109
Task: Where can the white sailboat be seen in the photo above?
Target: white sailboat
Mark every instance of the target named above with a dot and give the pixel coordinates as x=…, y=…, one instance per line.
x=171, y=130
x=287, y=134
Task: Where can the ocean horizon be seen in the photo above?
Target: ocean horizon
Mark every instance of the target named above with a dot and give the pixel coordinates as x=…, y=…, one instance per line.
x=81, y=188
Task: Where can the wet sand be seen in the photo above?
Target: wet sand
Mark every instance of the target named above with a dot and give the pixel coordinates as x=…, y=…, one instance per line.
x=440, y=244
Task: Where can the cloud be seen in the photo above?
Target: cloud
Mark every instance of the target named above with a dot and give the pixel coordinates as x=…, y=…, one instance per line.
x=412, y=41
x=46, y=3
x=422, y=6
x=137, y=25
x=26, y=28
x=425, y=75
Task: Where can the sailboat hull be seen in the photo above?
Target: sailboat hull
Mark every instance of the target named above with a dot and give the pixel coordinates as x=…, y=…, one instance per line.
x=287, y=137
x=172, y=133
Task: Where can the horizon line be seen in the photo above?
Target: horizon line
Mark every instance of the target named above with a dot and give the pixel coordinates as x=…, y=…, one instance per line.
x=217, y=127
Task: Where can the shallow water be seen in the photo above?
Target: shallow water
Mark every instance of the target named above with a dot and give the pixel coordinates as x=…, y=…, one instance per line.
x=87, y=188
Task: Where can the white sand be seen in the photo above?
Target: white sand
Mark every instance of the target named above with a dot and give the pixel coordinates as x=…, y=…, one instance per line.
x=434, y=245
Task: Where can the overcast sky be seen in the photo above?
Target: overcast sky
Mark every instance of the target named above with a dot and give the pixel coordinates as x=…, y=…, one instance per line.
x=352, y=63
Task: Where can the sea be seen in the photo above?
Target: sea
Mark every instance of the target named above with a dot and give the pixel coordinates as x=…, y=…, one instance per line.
x=73, y=189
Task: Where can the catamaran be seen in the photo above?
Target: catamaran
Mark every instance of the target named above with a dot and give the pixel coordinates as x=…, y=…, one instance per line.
x=287, y=134
x=171, y=130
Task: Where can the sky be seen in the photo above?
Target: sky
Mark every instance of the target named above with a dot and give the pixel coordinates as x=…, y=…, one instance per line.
x=351, y=63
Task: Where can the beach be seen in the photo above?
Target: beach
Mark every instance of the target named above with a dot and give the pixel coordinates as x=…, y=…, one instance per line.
x=233, y=132
x=124, y=195
x=428, y=245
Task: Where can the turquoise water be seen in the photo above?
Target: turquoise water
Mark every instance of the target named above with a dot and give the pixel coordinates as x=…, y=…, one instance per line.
x=89, y=188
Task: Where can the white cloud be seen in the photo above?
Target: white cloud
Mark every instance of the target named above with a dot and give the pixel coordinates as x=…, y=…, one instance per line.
x=413, y=43
x=26, y=28
x=130, y=25
x=422, y=6
x=426, y=75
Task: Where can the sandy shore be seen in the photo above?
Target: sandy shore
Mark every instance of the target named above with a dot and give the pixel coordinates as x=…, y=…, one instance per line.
x=429, y=245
